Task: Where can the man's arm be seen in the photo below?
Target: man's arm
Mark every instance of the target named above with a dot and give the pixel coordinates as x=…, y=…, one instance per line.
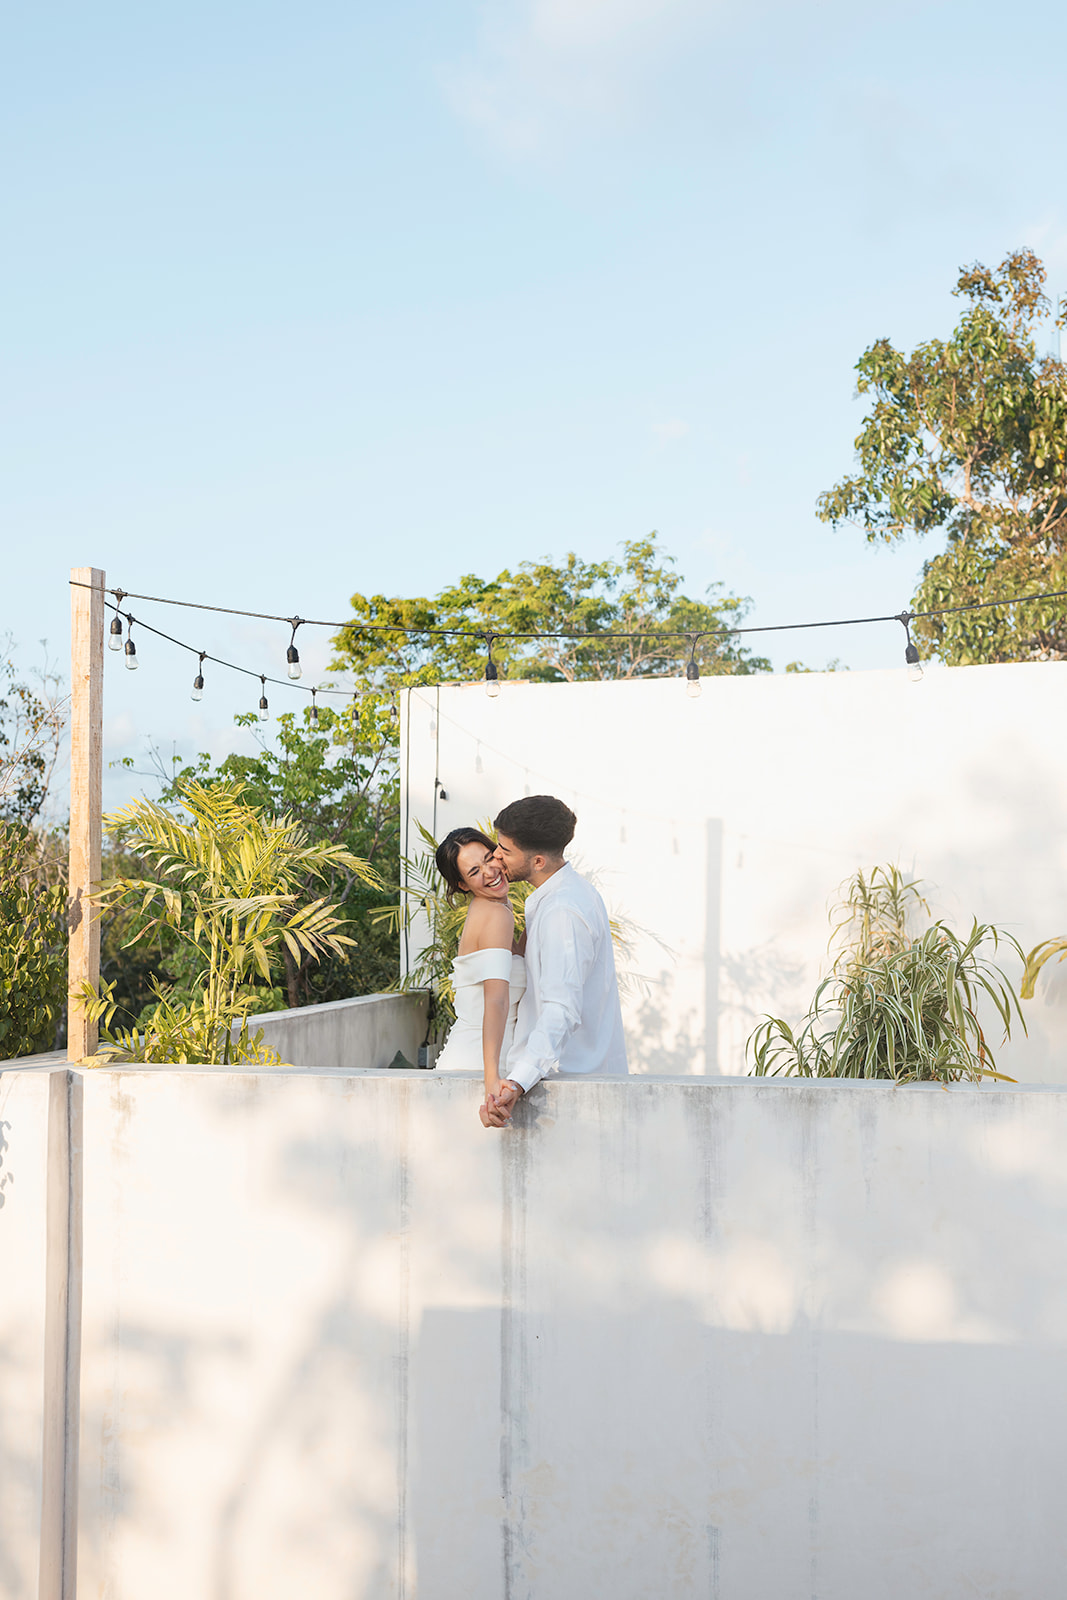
x=567, y=948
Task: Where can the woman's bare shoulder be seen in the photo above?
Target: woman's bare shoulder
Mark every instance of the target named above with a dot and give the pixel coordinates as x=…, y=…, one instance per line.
x=490, y=926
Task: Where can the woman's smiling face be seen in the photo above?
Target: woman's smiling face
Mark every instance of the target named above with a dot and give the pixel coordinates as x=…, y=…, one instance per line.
x=481, y=873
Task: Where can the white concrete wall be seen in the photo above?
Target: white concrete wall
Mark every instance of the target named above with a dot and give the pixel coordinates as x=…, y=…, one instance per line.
x=730, y=1340
x=364, y=1032
x=724, y=825
x=23, y=1179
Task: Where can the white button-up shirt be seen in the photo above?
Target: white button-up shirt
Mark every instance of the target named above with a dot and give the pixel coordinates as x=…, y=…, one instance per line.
x=569, y=1018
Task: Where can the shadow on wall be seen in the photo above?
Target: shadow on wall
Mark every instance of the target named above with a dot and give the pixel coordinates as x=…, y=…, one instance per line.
x=751, y=1465
x=20, y=1489
x=755, y=982
x=661, y=1038
x=746, y=1349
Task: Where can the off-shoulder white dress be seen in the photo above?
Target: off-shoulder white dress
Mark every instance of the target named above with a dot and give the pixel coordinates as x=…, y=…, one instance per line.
x=463, y=1047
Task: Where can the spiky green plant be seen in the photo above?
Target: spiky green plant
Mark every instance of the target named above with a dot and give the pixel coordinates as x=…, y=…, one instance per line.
x=226, y=882
x=1036, y=960
x=895, y=1006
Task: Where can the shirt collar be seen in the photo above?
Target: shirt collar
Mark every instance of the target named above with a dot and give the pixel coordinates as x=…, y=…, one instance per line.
x=565, y=870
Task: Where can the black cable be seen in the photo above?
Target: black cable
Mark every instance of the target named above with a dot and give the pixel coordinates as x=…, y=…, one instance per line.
x=475, y=633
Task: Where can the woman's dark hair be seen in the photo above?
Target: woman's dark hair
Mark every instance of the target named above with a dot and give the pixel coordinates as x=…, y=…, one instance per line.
x=539, y=824
x=447, y=858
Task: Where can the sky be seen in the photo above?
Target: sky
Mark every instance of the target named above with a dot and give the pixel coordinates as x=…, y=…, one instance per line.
x=299, y=302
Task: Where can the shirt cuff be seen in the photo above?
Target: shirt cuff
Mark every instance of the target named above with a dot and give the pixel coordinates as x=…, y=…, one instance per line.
x=526, y=1074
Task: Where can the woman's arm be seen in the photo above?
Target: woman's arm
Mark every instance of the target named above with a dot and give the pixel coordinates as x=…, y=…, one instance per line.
x=497, y=998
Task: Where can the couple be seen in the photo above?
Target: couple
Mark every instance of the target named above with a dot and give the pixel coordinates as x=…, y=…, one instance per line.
x=548, y=1004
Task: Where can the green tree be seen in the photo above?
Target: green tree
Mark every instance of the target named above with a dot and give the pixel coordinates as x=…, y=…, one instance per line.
x=33, y=942
x=33, y=895
x=639, y=595
x=969, y=435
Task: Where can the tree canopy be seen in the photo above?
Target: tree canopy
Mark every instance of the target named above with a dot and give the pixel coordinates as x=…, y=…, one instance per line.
x=639, y=595
x=969, y=435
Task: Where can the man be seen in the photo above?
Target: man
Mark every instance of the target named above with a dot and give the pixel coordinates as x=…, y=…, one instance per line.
x=569, y=1019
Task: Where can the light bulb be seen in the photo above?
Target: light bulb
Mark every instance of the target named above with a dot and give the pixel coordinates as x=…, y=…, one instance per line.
x=198, y=688
x=264, y=710
x=114, y=641
x=492, y=679
x=692, y=681
x=292, y=656
x=915, y=666
x=131, y=656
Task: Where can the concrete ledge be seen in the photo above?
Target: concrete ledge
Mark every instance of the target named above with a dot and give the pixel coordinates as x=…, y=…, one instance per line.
x=702, y=1338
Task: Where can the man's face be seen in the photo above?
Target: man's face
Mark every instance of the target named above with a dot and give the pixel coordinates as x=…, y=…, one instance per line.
x=516, y=863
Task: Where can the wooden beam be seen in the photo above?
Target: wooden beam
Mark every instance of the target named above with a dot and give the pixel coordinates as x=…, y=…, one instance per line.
x=86, y=784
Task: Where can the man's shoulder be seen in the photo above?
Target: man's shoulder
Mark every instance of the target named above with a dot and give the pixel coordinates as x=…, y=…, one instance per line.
x=573, y=895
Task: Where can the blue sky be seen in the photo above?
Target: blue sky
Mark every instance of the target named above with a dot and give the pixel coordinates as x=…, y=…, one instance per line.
x=298, y=303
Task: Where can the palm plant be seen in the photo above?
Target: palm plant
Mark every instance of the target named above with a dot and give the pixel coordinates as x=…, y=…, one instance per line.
x=895, y=1006
x=228, y=883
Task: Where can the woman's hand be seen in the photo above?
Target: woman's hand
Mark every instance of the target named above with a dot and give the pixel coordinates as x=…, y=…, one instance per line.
x=495, y=1111
x=487, y=1109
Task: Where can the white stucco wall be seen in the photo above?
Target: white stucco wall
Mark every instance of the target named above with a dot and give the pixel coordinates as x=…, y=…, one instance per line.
x=724, y=825
x=728, y=1340
x=23, y=1179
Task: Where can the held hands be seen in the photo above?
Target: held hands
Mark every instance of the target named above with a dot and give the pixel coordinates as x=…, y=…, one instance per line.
x=495, y=1111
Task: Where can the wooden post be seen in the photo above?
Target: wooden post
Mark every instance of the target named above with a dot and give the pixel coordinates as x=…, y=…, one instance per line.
x=86, y=784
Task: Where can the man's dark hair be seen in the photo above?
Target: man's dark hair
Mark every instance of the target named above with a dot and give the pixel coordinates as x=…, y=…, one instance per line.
x=539, y=824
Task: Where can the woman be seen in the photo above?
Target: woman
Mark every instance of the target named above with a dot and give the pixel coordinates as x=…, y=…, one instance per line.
x=488, y=974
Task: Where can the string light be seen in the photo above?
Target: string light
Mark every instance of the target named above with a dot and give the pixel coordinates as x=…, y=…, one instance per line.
x=314, y=708
x=492, y=677
x=198, y=681
x=911, y=651
x=692, y=672
x=292, y=655
x=114, y=641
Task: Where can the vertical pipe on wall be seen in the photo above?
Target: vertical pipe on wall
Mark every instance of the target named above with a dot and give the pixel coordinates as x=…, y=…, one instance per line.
x=86, y=779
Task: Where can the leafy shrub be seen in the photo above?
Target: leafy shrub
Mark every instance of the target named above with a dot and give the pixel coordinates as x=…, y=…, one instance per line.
x=33, y=944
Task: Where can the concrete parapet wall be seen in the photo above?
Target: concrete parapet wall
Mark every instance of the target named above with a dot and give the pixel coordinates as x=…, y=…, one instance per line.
x=682, y=1338
x=363, y=1033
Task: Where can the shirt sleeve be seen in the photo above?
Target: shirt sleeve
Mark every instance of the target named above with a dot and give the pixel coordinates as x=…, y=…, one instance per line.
x=567, y=950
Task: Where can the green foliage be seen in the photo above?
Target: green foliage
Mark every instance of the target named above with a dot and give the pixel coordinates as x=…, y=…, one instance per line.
x=895, y=1006
x=1036, y=960
x=230, y=885
x=31, y=729
x=338, y=779
x=969, y=435
x=33, y=942
x=173, y=1031
x=640, y=594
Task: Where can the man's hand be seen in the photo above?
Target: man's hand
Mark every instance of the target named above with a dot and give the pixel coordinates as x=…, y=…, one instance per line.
x=496, y=1110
